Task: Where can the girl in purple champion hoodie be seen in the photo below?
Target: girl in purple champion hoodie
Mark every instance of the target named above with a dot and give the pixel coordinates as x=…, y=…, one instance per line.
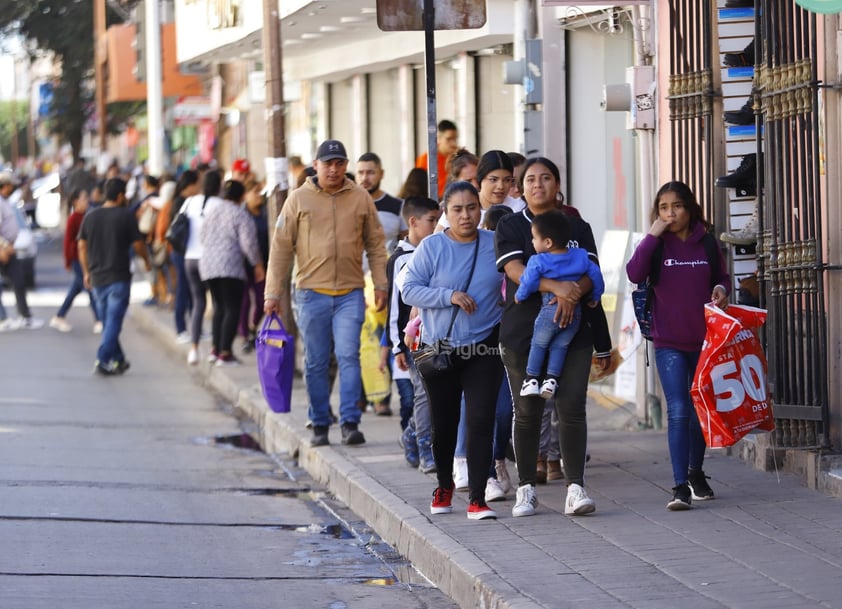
x=678, y=324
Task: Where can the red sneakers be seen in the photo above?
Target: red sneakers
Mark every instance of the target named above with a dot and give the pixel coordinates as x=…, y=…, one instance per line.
x=480, y=511
x=442, y=498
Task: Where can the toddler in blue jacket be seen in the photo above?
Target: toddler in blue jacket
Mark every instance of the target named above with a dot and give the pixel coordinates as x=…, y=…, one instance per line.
x=553, y=260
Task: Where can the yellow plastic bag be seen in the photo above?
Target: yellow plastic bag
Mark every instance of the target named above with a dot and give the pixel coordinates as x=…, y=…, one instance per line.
x=376, y=384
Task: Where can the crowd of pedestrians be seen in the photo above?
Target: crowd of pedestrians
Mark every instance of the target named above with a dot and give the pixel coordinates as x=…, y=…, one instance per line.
x=501, y=277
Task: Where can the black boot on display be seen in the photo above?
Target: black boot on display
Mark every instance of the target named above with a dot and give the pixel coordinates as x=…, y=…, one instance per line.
x=744, y=179
x=742, y=59
x=743, y=116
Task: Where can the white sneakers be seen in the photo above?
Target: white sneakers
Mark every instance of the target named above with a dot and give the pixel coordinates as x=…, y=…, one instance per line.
x=526, y=501
x=182, y=338
x=494, y=491
x=98, y=327
x=548, y=389
x=531, y=387
x=60, y=324
x=193, y=356
x=503, y=475
x=460, y=473
x=577, y=503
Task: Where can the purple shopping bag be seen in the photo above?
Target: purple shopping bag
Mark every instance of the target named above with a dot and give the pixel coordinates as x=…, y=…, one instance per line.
x=275, y=350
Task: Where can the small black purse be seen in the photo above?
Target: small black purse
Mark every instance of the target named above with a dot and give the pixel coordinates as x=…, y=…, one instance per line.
x=438, y=358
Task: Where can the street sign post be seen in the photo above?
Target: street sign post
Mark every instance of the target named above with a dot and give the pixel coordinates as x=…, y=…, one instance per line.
x=416, y=15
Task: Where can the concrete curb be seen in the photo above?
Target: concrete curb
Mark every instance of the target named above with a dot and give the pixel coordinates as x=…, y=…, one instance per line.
x=457, y=572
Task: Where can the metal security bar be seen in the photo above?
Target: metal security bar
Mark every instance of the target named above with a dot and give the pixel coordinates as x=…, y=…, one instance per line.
x=690, y=98
x=789, y=248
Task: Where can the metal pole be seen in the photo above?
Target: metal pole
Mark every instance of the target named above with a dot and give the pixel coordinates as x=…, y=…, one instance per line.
x=430, y=72
x=277, y=165
x=99, y=76
x=154, y=89
x=14, y=114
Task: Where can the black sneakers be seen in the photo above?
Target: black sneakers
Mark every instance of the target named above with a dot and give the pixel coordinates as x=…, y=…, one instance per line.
x=351, y=435
x=319, y=436
x=680, y=498
x=743, y=116
x=744, y=179
x=699, y=487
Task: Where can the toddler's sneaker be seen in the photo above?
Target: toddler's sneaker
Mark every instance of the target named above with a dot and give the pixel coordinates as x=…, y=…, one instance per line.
x=548, y=388
x=530, y=387
x=578, y=503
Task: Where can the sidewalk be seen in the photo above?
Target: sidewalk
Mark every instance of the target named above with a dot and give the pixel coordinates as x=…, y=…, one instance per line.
x=766, y=541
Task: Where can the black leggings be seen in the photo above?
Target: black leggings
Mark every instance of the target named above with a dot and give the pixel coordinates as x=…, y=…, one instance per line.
x=479, y=377
x=227, y=297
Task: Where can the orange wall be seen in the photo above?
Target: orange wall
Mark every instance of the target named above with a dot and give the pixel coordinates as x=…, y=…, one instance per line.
x=121, y=83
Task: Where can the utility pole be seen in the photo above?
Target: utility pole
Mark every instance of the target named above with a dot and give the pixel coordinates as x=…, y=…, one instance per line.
x=99, y=71
x=277, y=165
x=277, y=168
x=154, y=89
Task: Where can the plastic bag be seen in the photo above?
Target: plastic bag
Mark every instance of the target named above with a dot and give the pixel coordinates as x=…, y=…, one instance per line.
x=729, y=389
x=376, y=383
x=275, y=349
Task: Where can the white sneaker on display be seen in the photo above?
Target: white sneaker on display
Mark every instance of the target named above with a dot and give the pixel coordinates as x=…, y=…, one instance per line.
x=526, y=501
x=493, y=491
x=460, y=473
x=578, y=503
x=60, y=324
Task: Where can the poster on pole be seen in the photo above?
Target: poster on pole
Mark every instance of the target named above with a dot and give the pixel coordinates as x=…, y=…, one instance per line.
x=408, y=15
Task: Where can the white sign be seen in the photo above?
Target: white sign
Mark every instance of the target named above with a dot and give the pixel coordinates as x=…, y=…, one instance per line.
x=192, y=110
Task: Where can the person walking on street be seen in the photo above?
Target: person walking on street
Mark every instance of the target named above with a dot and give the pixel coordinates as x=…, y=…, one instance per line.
x=196, y=208
x=186, y=187
x=453, y=281
x=686, y=281
x=540, y=184
x=106, y=235
x=11, y=267
x=325, y=226
x=421, y=215
x=229, y=238
x=79, y=206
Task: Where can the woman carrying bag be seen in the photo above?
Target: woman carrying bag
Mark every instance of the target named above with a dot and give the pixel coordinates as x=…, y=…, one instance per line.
x=453, y=281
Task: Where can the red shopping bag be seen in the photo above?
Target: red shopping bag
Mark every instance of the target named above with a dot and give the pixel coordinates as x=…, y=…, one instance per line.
x=729, y=389
x=275, y=349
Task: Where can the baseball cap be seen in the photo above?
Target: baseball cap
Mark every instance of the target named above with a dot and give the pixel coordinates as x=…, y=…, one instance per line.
x=331, y=149
x=6, y=177
x=241, y=166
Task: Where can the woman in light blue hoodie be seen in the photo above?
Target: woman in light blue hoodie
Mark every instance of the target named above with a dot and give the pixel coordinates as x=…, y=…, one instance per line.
x=453, y=280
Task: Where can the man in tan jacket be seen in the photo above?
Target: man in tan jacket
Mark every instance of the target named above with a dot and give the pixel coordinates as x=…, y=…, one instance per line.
x=325, y=226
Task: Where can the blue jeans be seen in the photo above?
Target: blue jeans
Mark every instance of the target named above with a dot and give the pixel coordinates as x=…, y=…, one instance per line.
x=549, y=342
x=407, y=397
x=75, y=288
x=502, y=423
x=324, y=321
x=183, y=300
x=684, y=434
x=112, y=302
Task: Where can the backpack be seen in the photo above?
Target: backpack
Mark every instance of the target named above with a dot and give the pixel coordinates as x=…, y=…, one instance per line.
x=642, y=295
